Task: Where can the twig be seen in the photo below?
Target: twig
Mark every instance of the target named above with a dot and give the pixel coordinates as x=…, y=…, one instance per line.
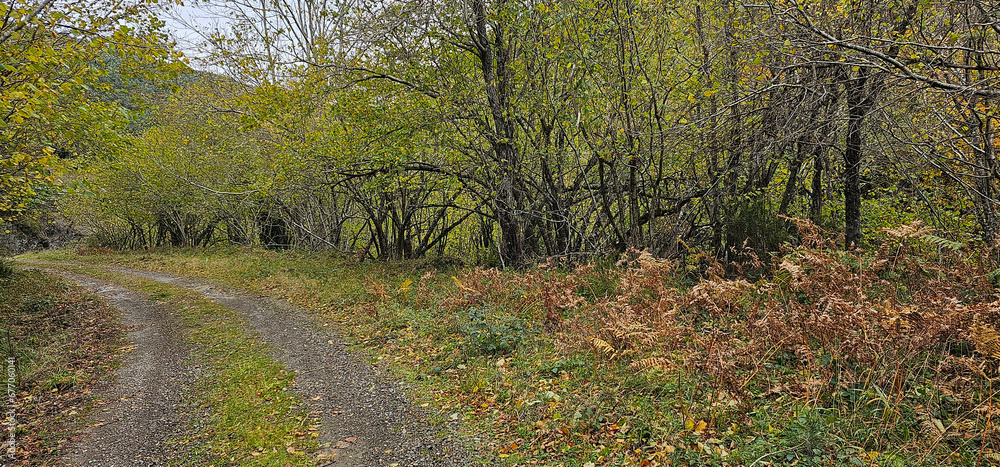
x=773, y=453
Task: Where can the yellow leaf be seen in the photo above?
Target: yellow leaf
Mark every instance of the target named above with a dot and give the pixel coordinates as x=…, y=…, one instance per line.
x=603, y=346
x=701, y=426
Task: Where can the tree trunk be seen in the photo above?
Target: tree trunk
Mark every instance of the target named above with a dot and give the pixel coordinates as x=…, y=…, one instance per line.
x=793, y=179
x=816, y=201
x=858, y=104
x=863, y=93
x=494, y=60
x=985, y=170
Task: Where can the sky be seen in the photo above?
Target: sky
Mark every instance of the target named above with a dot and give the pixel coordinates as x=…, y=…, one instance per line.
x=187, y=23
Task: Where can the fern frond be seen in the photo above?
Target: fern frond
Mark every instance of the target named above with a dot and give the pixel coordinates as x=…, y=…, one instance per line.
x=792, y=268
x=602, y=346
x=914, y=229
x=986, y=340
x=942, y=242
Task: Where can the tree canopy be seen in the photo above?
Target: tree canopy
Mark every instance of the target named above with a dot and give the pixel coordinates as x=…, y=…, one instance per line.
x=507, y=132
x=53, y=69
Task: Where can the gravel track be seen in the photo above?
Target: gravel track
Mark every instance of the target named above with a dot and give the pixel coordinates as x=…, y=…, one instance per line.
x=366, y=419
x=144, y=405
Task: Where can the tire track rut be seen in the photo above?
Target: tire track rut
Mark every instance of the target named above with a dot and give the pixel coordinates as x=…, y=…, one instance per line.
x=143, y=406
x=366, y=420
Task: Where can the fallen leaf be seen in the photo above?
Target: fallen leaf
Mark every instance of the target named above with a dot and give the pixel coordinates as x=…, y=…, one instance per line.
x=939, y=425
x=701, y=426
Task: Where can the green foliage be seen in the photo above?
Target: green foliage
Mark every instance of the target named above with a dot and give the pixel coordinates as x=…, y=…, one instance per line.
x=758, y=226
x=994, y=277
x=35, y=304
x=185, y=177
x=809, y=439
x=941, y=242
x=484, y=333
x=47, y=111
x=610, y=125
x=6, y=269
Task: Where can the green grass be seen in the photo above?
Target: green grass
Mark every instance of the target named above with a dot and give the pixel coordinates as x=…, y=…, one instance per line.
x=502, y=376
x=478, y=347
x=254, y=418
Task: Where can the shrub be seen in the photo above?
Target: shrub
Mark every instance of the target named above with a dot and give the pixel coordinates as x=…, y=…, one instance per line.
x=487, y=335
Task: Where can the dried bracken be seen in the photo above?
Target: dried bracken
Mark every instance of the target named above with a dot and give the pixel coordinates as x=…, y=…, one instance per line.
x=842, y=320
x=908, y=321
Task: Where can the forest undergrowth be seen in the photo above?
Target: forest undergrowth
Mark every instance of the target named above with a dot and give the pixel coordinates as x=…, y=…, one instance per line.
x=57, y=344
x=832, y=358
x=884, y=357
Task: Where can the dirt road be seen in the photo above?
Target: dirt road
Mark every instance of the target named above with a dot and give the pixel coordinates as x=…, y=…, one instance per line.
x=366, y=418
x=142, y=408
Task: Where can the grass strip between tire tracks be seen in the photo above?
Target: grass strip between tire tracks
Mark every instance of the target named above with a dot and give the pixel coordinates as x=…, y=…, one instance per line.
x=254, y=418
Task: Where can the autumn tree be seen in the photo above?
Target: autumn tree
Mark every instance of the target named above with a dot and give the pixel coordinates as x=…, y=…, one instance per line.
x=49, y=65
x=933, y=48
x=521, y=130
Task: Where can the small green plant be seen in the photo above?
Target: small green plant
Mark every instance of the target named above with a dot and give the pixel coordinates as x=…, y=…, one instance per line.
x=36, y=304
x=810, y=438
x=994, y=277
x=62, y=380
x=6, y=270
x=496, y=336
x=564, y=365
x=160, y=296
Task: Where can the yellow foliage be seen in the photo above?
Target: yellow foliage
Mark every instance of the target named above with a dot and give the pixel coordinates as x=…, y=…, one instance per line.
x=986, y=339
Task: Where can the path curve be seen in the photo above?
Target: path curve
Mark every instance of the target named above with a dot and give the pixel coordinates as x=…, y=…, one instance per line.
x=366, y=420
